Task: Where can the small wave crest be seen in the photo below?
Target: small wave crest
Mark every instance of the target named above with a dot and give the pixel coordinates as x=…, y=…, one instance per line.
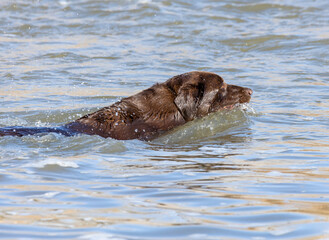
x=61, y=162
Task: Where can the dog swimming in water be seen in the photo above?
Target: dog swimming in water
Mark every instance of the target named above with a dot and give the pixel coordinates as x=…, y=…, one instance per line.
x=152, y=111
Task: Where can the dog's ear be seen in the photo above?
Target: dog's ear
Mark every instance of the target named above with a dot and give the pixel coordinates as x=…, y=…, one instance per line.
x=196, y=95
x=187, y=100
x=214, y=91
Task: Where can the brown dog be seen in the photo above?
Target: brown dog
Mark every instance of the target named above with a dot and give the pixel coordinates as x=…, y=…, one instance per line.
x=155, y=110
x=162, y=107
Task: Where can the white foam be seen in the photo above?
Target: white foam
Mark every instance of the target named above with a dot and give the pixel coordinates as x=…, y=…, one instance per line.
x=64, y=3
x=100, y=236
x=51, y=194
x=248, y=108
x=145, y=1
x=62, y=162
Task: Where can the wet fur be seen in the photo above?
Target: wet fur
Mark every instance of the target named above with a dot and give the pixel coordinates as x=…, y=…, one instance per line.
x=153, y=111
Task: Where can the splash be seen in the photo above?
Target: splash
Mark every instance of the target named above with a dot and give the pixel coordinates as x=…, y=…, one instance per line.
x=61, y=162
x=214, y=124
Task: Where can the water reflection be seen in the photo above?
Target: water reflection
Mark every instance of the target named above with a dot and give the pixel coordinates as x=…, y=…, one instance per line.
x=246, y=174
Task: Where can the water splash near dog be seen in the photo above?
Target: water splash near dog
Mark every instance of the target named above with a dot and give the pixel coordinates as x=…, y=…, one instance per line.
x=214, y=124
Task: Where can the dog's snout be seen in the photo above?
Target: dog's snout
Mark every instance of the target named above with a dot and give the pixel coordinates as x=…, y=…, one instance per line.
x=248, y=91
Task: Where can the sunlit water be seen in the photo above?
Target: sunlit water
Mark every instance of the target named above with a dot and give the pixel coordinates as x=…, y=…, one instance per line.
x=260, y=171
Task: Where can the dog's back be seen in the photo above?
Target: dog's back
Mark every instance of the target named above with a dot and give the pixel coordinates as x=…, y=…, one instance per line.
x=142, y=116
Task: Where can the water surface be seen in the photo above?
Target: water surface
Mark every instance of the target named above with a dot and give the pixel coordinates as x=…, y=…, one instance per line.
x=257, y=172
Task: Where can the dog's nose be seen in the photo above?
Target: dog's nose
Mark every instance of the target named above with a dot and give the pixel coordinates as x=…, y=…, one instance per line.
x=248, y=91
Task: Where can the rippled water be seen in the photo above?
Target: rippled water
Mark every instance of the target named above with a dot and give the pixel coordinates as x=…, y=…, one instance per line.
x=257, y=172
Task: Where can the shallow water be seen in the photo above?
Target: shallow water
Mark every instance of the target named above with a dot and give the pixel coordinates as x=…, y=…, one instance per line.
x=257, y=172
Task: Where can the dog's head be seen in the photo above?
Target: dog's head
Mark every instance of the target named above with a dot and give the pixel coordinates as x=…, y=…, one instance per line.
x=200, y=93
